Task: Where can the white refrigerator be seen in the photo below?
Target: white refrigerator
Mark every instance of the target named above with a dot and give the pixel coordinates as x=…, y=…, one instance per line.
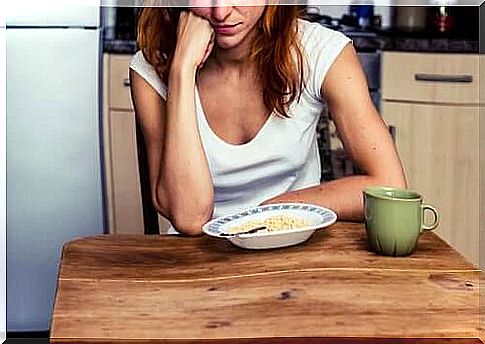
x=54, y=165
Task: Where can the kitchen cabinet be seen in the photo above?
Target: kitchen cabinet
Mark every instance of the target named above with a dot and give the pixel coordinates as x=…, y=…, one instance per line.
x=122, y=178
x=432, y=100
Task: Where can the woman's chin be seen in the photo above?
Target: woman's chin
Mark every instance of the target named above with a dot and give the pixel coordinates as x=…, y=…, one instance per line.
x=227, y=42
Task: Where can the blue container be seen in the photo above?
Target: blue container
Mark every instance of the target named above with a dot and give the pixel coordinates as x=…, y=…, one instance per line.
x=363, y=14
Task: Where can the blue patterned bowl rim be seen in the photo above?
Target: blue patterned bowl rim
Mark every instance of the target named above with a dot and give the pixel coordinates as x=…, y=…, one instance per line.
x=216, y=226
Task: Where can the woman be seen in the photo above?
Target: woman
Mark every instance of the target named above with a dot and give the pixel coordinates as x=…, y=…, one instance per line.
x=228, y=98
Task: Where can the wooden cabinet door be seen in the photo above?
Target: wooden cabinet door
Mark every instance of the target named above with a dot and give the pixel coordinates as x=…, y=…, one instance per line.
x=125, y=197
x=124, y=205
x=431, y=77
x=119, y=86
x=439, y=148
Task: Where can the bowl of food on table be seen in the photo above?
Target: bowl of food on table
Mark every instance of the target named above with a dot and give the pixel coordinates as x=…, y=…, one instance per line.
x=271, y=225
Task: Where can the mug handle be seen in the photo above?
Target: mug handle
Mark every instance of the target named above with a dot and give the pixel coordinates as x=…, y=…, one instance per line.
x=436, y=221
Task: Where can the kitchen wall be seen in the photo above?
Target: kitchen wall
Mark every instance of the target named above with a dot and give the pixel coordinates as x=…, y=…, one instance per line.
x=336, y=11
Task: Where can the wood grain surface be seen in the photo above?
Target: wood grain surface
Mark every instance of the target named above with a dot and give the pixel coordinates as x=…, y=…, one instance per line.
x=168, y=289
x=287, y=340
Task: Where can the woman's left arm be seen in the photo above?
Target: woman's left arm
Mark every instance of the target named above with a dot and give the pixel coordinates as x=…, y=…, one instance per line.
x=364, y=135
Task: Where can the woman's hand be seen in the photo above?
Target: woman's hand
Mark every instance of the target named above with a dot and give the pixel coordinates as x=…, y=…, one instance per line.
x=184, y=192
x=195, y=40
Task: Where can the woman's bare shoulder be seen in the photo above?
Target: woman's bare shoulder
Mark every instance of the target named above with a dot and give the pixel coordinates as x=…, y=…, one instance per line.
x=145, y=70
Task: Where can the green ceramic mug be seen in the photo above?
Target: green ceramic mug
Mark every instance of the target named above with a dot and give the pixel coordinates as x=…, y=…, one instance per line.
x=394, y=219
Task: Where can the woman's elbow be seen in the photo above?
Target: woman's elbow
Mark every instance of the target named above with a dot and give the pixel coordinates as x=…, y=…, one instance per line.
x=189, y=226
x=397, y=183
x=394, y=178
x=157, y=204
x=398, y=177
x=184, y=220
x=189, y=222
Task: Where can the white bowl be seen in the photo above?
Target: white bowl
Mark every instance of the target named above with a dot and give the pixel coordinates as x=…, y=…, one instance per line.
x=315, y=217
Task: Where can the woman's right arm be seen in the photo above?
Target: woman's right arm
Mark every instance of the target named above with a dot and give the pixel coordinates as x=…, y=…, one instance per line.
x=180, y=179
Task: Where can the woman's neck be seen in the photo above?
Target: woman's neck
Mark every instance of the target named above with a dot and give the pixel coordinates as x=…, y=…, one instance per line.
x=238, y=57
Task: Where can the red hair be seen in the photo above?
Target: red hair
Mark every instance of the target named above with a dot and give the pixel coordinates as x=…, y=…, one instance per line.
x=276, y=50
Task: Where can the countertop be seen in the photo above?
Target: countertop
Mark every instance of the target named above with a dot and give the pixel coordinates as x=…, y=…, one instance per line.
x=119, y=46
x=331, y=289
x=426, y=41
x=388, y=40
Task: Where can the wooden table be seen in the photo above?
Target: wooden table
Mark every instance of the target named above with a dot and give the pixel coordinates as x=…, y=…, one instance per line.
x=331, y=289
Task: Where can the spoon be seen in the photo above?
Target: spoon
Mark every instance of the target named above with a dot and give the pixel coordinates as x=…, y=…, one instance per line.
x=250, y=231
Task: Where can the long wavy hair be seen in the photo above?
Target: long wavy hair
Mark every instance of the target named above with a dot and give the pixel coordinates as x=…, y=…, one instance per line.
x=276, y=50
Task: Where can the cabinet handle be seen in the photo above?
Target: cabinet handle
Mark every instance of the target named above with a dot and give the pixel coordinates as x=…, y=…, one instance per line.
x=443, y=78
x=126, y=82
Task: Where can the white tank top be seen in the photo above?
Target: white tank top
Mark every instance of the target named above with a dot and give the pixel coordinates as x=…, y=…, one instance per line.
x=283, y=156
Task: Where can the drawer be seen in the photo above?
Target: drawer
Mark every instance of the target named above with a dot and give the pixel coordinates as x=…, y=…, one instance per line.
x=436, y=78
x=119, y=82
